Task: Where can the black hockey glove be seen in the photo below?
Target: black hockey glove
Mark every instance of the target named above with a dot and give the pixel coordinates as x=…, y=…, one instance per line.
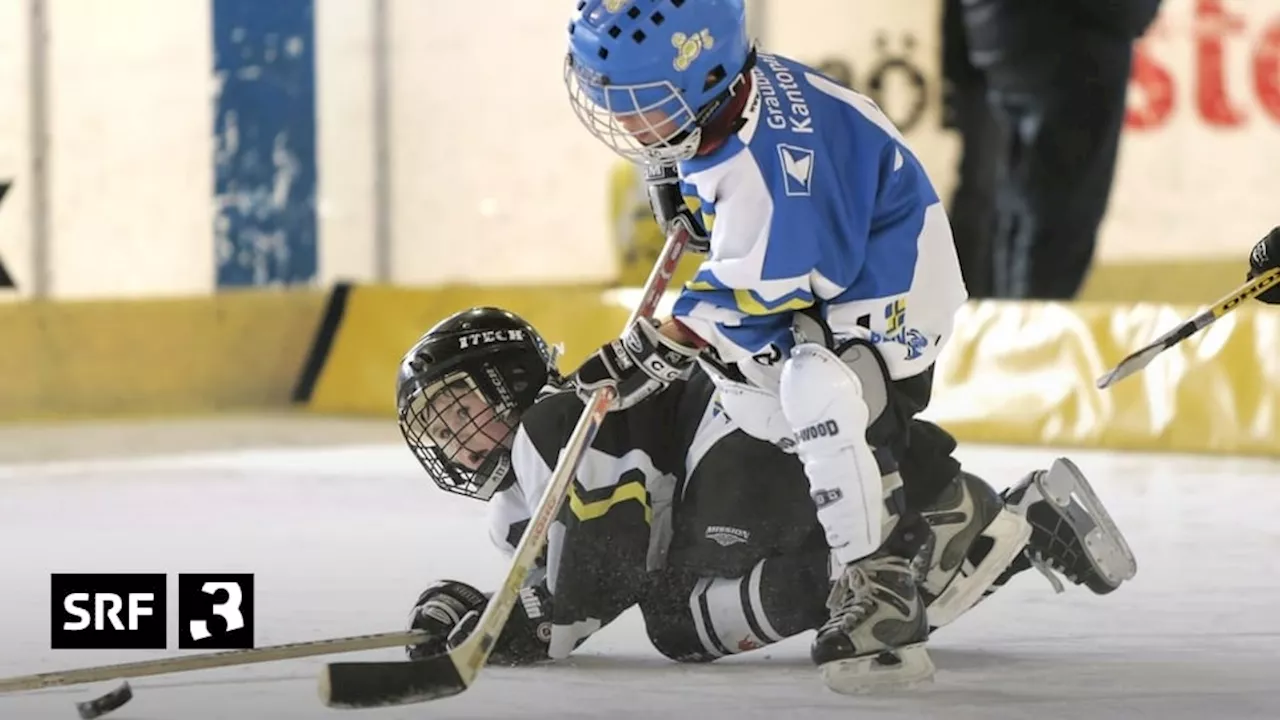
x=439, y=610
x=670, y=209
x=1265, y=256
x=450, y=610
x=641, y=363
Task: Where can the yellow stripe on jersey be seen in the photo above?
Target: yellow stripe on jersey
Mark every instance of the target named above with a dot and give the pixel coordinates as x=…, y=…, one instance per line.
x=750, y=304
x=708, y=217
x=634, y=490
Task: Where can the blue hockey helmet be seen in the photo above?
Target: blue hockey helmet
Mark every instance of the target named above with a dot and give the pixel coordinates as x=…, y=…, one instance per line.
x=646, y=76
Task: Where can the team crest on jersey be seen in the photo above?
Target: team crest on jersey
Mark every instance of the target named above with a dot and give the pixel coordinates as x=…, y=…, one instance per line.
x=689, y=47
x=797, y=169
x=614, y=6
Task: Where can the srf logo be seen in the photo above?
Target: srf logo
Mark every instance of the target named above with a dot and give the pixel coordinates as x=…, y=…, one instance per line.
x=129, y=611
x=215, y=612
x=108, y=612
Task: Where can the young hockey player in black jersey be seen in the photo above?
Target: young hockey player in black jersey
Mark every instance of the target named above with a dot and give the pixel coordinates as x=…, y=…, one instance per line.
x=710, y=531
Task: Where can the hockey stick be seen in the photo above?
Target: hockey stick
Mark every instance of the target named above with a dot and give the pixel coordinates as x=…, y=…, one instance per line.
x=205, y=661
x=1142, y=358
x=380, y=684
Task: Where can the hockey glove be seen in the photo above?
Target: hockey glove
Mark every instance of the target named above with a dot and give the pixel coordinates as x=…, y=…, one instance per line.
x=641, y=363
x=450, y=610
x=1265, y=256
x=439, y=610
x=670, y=209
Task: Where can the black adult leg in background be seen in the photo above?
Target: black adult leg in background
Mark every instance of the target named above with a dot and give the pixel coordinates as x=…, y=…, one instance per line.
x=1062, y=132
x=972, y=206
x=966, y=111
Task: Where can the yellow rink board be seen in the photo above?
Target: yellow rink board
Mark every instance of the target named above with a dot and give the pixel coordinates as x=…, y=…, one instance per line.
x=1018, y=373
x=232, y=351
x=379, y=324
x=1024, y=373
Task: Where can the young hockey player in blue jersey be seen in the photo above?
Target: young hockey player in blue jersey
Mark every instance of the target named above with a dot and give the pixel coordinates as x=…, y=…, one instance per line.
x=828, y=290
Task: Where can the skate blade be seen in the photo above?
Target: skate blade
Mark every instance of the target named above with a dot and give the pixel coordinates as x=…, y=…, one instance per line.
x=1010, y=532
x=911, y=666
x=1107, y=547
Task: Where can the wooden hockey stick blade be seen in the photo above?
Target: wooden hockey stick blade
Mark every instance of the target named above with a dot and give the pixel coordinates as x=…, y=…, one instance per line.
x=1136, y=361
x=205, y=661
x=354, y=685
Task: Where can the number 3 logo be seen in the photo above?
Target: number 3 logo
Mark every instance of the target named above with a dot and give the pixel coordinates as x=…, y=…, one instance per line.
x=228, y=611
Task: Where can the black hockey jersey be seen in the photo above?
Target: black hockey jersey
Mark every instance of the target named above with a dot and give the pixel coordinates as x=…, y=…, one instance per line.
x=616, y=524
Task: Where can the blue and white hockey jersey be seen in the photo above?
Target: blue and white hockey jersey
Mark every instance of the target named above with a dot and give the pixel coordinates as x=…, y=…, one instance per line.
x=817, y=201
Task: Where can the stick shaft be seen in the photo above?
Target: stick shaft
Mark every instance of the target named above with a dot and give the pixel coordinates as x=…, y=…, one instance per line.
x=1136, y=361
x=347, y=685
x=204, y=661
x=475, y=651
x=476, y=648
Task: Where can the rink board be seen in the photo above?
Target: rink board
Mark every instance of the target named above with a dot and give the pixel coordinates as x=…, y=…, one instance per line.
x=236, y=350
x=1012, y=373
x=1019, y=373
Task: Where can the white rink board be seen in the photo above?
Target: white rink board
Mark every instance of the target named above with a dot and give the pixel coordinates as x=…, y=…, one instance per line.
x=130, y=153
x=1198, y=171
x=495, y=179
x=342, y=539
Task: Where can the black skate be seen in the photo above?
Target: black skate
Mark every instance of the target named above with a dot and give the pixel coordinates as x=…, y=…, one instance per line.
x=1071, y=530
x=876, y=635
x=975, y=538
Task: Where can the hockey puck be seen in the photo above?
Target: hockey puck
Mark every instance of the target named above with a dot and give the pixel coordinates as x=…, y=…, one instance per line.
x=105, y=704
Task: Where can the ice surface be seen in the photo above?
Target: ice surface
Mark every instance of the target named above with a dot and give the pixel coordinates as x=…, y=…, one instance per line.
x=342, y=538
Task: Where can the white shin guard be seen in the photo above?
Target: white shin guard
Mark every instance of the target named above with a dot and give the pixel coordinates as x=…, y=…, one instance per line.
x=829, y=404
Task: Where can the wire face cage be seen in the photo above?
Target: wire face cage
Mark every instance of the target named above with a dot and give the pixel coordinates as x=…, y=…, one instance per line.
x=644, y=123
x=460, y=434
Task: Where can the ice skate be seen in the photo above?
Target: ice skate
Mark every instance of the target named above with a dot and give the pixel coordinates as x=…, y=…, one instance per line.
x=975, y=538
x=875, y=638
x=1072, y=532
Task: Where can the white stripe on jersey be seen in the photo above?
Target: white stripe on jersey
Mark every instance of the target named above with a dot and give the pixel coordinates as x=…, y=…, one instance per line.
x=515, y=504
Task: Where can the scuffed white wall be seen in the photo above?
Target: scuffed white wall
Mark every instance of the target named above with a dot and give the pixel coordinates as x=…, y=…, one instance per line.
x=345, y=139
x=495, y=181
x=1199, y=172
x=15, y=249
x=130, y=147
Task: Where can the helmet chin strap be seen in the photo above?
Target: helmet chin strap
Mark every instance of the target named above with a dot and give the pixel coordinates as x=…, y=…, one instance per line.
x=728, y=122
x=494, y=473
x=722, y=117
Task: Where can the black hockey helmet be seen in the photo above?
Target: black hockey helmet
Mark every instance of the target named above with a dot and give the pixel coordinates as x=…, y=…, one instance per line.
x=460, y=392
